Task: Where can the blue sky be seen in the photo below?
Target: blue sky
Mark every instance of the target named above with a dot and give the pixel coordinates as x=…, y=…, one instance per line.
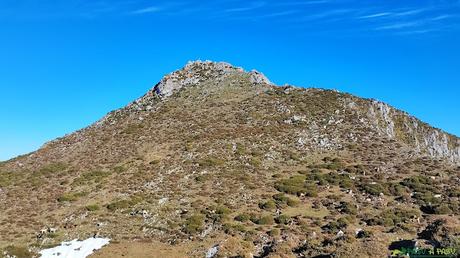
x=64, y=64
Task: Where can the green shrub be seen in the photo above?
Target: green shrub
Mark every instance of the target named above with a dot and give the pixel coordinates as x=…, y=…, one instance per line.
x=454, y=192
x=211, y=162
x=364, y=234
x=442, y=209
x=265, y=220
x=280, y=198
x=18, y=251
x=262, y=220
x=348, y=208
x=333, y=178
x=91, y=177
x=396, y=189
x=242, y=217
x=420, y=184
x=297, y=185
x=124, y=204
x=282, y=219
x=333, y=164
x=92, y=207
x=293, y=185
x=426, y=198
x=52, y=168
x=194, y=224
x=374, y=189
x=335, y=226
x=223, y=210
x=233, y=228
x=256, y=162
x=268, y=205
x=391, y=217
x=119, y=169
x=201, y=178
x=71, y=197
x=8, y=178
x=274, y=232
x=292, y=203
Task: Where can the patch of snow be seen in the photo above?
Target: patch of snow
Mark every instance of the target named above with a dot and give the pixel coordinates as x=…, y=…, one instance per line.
x=212, y=251
x=75, y=248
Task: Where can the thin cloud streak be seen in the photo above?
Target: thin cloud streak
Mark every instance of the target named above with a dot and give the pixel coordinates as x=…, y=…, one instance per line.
x=304, y=3
x=376, y=15
x=151, y=9
x=251, y=7
x=410, y=12
x=401, y=25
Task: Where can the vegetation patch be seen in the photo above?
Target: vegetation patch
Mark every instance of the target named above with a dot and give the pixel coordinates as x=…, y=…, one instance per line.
x=71, y=197
x=211, y=162
x=391, y=217
x=92, y=207
x=17, y=251
x=242, y=217
x=297, y=185
x=91, y=177
x=268, y=205
x=283, y=200
x=194, y=224
x=124, y=204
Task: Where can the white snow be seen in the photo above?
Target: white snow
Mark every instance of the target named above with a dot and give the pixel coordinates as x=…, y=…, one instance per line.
x=212, y=251
x=75, y=248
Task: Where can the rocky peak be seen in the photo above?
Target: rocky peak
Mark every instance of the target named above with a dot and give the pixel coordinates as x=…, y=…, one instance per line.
x=198, y=71
x=194, y=73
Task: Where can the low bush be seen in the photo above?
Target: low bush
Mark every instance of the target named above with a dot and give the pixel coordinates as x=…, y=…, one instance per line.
x=391, y=217
x=282, y=200
x=293, y=185
x=242, y=217
x=233, y=228
x=268, y=205
x=92, y=207
x=194, y=224
x=297, y=185
x=124, y=204
x=211, y=162
x=17, y=251
x=282, y=219
x=71, y=197
x=374, y=189
x=348, y=208
x=91, y=177
x=262, y=220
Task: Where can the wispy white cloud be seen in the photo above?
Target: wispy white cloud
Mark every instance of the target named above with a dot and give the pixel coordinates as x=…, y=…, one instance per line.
x=278, y=14
x=150, y=9
x=410, y=12
x=414, y=32
x=250, y=7
x=303, y=3
x=401, y=25
x=441, y=17
x=375, y=15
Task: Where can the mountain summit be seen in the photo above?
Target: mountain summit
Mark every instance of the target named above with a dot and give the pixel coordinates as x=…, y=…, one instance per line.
x=215, y=161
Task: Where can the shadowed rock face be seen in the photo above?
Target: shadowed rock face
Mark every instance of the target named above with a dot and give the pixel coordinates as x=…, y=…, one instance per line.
x=214, y=154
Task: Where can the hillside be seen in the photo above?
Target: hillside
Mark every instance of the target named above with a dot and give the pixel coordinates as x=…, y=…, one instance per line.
x=217, y=156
